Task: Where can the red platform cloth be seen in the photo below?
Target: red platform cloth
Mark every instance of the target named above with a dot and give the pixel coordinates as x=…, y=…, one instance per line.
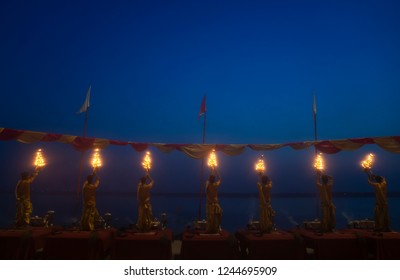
x=278, y=245
x=78, y=245
x=199, y=246
x=21, y=244
x=138, y=246
x=381, y=246
x=341, y=245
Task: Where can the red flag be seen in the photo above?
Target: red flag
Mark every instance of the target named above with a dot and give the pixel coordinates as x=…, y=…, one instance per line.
x=202, y=107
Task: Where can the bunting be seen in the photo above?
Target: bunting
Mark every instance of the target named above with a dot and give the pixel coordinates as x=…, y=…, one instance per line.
x=197, y=151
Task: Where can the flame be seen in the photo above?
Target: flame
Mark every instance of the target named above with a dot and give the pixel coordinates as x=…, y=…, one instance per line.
x=39, y=160
x=319, y=163
x=260, y=165
x=146, y=163
x=96, y=159
x=212, y=160
x=368, y=162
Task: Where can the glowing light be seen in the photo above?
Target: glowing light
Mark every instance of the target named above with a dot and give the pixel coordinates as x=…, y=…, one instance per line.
x=319, y=163
x=146, y=163
x=39, y=160
x=260, y=165
x=96, y=159
x=368, y=162
x=212, y=160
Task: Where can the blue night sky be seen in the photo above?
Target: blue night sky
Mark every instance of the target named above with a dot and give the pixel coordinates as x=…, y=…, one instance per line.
x=151, y=62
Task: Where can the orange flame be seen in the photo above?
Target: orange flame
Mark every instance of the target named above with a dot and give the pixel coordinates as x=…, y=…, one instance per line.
x=368, y=162
x=146, y=163
x=319, y=163
x=212, y=160
x=96, y=159
x=39, y=160
x=260, y=165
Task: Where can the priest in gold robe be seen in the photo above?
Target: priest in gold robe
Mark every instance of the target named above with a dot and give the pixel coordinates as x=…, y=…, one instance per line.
x=145, y=214
x=23, y=198
x=328, y=220
x=381, y=213
x=266, y=212
x=213, y=209
x=90, y=213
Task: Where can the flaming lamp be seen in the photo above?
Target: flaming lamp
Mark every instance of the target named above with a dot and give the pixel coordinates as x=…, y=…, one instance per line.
x=212, y=160
x=319, y=163
x=39, y=160
x=146, y=163
x=260, y=165
x=96, y=160
x=368, y=162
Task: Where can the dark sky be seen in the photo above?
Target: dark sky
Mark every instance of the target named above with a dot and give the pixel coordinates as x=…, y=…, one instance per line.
x=150, y=63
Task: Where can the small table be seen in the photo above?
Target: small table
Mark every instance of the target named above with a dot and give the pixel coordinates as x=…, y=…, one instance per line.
x=78, y=245
x=21, y=244
x=338, y=245
x=197, y=245
x=381, y=245
x=154, y=245
x=277, y=245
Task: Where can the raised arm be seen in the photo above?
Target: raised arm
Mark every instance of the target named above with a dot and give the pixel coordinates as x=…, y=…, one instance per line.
x=218, y=177
x=151, y=182
x=33, y=175
x=372, y=183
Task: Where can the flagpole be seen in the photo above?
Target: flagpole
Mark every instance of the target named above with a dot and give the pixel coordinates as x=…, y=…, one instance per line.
x=202, y=159
x=315, y=148
x=78, y=183
x=202, y=169
x=85, y=124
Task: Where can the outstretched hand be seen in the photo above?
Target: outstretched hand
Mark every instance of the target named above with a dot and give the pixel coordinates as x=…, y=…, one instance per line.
x=95, y=170
x=369, y=173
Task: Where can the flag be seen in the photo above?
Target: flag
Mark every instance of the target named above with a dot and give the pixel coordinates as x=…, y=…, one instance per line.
x=86, y=104
x=202, y=107
x=314, y=107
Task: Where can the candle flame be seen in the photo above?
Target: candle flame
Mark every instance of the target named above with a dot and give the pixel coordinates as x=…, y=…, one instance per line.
x=39, y=160
x=319, y=163
x=368, y=162
x=260, y=165
x=212, y=160
x=146, y=163
x=96, y=159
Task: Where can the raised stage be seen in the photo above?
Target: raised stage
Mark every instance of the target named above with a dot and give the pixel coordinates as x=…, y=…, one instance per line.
x=299, y=243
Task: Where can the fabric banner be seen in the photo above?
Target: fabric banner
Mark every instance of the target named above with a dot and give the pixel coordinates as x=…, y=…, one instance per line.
x=197, y=151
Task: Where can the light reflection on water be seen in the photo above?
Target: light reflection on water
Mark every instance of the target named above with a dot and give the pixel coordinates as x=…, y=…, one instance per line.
x=183, y=210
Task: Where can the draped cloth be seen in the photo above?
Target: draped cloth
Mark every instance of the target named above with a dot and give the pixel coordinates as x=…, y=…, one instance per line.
x=213, y=209
x=266, y=213
x=23, y=201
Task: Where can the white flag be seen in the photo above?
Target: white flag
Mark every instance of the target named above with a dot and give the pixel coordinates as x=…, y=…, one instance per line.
x=86, y=104
x=314, y=107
